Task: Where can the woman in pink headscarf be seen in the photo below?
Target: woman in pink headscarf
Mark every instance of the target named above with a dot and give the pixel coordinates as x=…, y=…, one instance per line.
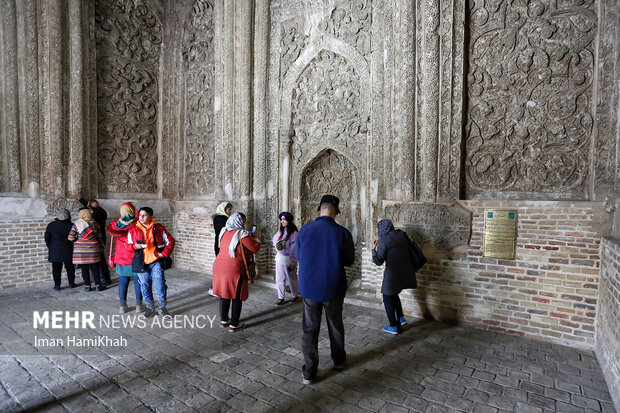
x=123, y=256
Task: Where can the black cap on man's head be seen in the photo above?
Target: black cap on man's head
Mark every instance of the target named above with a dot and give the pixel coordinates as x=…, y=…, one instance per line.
x=330, y=200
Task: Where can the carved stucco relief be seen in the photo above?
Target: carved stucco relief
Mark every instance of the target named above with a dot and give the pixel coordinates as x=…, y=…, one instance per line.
x=530, y=92
x=332, y=173
x=607, y=159
x=327, y=108
x=198, y=68
x=129, y=39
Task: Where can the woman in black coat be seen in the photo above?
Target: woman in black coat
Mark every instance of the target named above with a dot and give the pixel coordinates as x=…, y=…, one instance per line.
x=60, y=248
x=402, y=258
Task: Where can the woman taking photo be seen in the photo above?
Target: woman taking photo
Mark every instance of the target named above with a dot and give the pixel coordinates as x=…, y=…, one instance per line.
x=230, y=281
x=87, y=248
x=222, y=213
x=402, y=258
x=286, y=263
x=123, y=256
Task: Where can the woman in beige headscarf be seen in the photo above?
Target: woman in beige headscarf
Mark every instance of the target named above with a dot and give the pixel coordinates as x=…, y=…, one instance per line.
x=88, y=246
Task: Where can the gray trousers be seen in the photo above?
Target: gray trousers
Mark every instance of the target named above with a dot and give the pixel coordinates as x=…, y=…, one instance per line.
x=311, y=324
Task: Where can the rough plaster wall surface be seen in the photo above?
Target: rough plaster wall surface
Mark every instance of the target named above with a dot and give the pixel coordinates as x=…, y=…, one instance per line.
x=549, y=292
x=608, y=317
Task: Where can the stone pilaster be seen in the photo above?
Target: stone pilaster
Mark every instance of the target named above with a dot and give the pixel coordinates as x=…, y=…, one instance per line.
x=10, y=132
x=428, y=78
x=29, y=94
x=52, y=48
x=78, y=108
x=243, y=23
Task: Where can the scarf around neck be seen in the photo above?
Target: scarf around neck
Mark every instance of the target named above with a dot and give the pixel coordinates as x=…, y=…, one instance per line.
x=234, y=223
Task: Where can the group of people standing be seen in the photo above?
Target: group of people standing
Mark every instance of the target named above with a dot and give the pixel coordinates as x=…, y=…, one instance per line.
x=321, y=249
x=141, y=246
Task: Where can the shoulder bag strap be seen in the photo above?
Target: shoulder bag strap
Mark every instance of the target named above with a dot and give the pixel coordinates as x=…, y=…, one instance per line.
x=245, y=263
x=111, y=244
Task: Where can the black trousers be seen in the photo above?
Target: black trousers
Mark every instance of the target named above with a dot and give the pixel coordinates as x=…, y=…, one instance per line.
x=104, y=271
x=94, y=268
x=393, y=308
x=236, y=307
x=311, y=324
x=57, y=271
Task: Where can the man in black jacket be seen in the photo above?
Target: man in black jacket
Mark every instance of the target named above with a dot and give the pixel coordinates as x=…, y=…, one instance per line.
x=60, y=248
x=100, y=216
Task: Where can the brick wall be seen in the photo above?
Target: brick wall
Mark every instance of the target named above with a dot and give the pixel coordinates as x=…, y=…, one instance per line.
x=608, y=317
x=548, y=292
x=23, y=253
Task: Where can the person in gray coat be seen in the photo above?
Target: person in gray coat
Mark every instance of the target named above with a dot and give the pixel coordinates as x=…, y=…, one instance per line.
x=402, y=259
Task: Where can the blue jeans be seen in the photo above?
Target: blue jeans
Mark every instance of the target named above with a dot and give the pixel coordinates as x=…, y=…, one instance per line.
x=393, y=308
x=155, y=277
x=123, y=284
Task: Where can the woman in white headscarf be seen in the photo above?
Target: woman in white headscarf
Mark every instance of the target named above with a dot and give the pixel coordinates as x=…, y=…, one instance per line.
x=230, y=281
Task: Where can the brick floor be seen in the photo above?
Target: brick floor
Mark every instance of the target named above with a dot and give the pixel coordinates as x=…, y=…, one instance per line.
x=430, y=367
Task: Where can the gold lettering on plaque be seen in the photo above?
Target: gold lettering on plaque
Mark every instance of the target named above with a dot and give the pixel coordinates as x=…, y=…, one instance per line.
x=500, y=233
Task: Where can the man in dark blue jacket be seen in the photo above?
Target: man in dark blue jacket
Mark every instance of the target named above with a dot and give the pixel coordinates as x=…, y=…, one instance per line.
x=323, y=249
x=60, y=248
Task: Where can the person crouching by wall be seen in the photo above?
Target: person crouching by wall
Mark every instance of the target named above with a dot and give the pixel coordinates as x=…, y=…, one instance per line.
x=60, y=248
x=229, y=280
x=151, y=242
x=87, y=248
x=123, y=256
x=402, y=259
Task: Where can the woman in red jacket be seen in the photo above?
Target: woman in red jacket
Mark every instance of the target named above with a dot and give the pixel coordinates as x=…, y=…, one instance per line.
x=123, y=256
x=230, y=281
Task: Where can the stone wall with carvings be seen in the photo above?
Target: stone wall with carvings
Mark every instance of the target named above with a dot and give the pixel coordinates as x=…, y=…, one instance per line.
x=129, y=40
x=530, y=90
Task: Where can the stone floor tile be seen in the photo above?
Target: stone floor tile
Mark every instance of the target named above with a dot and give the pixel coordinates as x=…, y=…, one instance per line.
x=430, y=367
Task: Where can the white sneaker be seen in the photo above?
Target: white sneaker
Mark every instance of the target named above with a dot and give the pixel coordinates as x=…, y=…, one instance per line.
x=140, y=308
x=123, y=309
x=211, y=292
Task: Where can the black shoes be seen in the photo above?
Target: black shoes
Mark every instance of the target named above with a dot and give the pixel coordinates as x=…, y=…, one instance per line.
x=150, y=312
x=163, y=312
x=101, y=288
x=57, y=287
x=88, y=288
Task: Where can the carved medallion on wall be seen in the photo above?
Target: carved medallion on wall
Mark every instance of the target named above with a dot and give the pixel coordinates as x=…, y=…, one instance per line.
x=198, y=67
x=530, y=91
x=349, y=21
x=327, y=108
x=129, y=40
x=445, y=226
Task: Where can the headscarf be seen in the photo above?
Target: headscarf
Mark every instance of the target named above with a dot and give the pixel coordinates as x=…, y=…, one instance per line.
x=85, y=220
x=234, y=223
x=385, y=226
x=221, y=209
x=289, y=219
x=63, y=214
x=128, y=215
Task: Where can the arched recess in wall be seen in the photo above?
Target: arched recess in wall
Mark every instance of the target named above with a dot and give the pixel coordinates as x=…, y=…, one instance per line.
x=325, y=104
x=331, y=172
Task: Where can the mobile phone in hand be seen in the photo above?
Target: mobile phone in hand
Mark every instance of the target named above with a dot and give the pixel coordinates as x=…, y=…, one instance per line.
x=253, y=229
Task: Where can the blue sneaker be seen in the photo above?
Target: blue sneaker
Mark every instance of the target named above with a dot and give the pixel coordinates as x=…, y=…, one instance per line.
x=390, y=329
x=402, y=321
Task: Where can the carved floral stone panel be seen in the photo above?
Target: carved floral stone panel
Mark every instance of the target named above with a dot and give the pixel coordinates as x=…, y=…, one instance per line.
x=129, y=39
x=327, y=108
x=445, y=226
x=198, y=67
x=530, y=92
x=349, y=21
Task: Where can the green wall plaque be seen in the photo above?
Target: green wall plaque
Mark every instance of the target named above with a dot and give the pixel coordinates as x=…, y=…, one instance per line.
x=500, y=233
